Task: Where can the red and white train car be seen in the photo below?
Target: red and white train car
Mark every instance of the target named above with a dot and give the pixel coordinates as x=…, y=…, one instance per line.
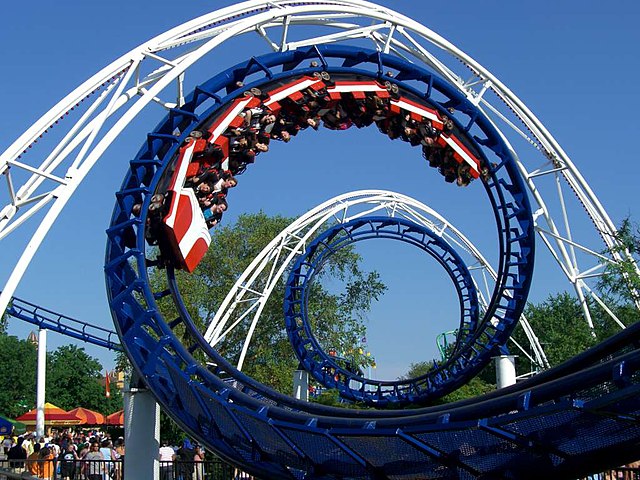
x=184, y=223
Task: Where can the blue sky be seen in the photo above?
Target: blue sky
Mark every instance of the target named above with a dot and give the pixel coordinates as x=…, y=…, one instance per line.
x=574, y=63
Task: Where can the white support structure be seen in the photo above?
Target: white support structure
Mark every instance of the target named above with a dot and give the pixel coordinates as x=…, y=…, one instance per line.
x=505, y=370
x=301, y=385
x=41, y=382
x=245, y=301
x=151, y=72
x=142, y=433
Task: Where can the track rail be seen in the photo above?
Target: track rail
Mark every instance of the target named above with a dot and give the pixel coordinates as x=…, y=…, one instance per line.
x=56, y=322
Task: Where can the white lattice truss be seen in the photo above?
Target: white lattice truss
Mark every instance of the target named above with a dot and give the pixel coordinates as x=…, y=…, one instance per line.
x=246, y=300
x=155, y=72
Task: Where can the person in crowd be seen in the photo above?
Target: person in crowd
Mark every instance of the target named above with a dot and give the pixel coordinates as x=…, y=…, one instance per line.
x=17, y=456
x=199, y=473
x=33, y=461
x=83, y=449
x=7, y=443
x=281, y=135
x=185, y=457
x=28, y=442
x=213, y=214
x=68, y=461
x=106, y=448
x=224, y=184
x=203, y=193
x=167, y=456
x=448, y=123
x=47, y=462
x=62, y=441
x=118, y=452
x=56, y=451
x=94, y=468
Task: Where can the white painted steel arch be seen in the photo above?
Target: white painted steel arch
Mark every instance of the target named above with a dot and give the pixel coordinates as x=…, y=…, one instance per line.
x=145, y=74
x=246, y=299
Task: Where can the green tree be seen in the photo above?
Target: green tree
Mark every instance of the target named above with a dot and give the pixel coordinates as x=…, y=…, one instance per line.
x=4, y=318
x=170, y=430
x=270, y=358
x=560, y=326
x=17, y=376
x=621, y=282
x=562, y=329
x=559, y=321
x=75, y=379
x=123, y=365
x=478, y=385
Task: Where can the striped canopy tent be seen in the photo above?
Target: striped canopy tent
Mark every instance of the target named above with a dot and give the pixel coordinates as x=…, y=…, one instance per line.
x=88, y=417
x=52, y=416
x=116, y=418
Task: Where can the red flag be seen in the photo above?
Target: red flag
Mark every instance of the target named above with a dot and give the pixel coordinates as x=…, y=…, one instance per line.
x=107, y=384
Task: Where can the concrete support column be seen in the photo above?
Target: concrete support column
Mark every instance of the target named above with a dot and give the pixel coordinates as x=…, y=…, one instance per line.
x=41, y=382
x=142, y=433
x=301, y=385
x=505, y=370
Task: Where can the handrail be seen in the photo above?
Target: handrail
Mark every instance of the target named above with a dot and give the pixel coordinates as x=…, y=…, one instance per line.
x=50, y=320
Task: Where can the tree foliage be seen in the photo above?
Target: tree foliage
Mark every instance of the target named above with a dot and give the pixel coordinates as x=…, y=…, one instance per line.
x=475, y=387
x=4, y=318
x=73, y=379
x=560, y=323
x=621, y=281
x=562, y=330
x=123, y=365
x=270, y=358
x=170, y=431
x=560, y=326
x=17, y=376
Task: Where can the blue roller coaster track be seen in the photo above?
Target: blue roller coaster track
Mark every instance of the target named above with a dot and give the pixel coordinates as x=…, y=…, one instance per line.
x=56, y=322
x=579, y=417
x=323, y=366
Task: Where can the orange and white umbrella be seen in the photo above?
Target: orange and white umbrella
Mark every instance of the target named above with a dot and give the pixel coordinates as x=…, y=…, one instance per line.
x=52, y=416
x=88, y=417
x=116, y=418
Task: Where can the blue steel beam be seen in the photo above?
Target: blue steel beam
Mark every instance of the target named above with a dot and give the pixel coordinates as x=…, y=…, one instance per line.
x=57, y=322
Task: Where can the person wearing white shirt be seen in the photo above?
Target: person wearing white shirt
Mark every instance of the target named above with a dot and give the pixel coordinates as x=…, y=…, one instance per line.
x=167, y=456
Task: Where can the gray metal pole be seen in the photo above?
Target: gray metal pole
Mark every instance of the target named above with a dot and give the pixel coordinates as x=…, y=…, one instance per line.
x=301, y=385
x=142, y=433
x=41, y=381
x=505, y=370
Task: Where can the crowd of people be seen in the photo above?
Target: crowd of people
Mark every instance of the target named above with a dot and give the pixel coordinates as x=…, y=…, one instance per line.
x=215, y=165
x=181, y=463
x=94, y=455
x=66, y=455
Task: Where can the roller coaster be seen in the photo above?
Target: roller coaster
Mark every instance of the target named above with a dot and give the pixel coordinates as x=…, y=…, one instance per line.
x=404, y=79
